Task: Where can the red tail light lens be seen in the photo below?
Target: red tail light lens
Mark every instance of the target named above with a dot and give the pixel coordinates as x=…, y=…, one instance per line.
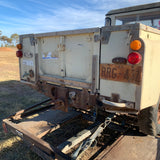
x=134, y=58
x=19, y=54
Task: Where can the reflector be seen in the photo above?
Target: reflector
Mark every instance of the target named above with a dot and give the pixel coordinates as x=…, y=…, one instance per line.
x=19, y=54
x=134, y=58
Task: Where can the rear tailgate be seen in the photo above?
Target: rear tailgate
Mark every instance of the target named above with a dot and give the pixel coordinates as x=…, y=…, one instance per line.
x=63, y=57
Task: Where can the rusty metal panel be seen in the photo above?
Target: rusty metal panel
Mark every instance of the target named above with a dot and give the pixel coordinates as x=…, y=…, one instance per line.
x=121, y=73
x=35, y=141
x=66, y=81
x=46, y=122
x=132, y=148
x=94, y=73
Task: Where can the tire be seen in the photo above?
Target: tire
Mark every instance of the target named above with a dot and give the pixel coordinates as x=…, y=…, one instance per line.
x=148, y=120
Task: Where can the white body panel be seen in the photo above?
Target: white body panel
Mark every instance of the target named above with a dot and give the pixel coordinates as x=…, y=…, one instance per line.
x=27, y=62
x=150, y=90
x=147, y=92
x=66, y=55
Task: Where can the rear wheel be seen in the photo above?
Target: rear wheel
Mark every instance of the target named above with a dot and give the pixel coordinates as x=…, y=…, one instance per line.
x=149, y=120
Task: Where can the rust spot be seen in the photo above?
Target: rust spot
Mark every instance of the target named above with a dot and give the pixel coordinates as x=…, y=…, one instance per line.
x=31, y=73
x=158, y=115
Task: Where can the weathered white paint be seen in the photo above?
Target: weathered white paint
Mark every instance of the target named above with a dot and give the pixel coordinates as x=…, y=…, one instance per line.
x=68, y=56
x=150, y=90
x=118, y=46
x=27, y=63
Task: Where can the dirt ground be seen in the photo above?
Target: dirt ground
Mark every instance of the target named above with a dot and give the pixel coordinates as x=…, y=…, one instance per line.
x=9, y=67
x=13, y=97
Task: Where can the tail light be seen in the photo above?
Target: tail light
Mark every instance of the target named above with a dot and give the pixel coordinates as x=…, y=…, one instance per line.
x=19, y=54
x=19, y=46
x=134, y=58
x=136, y=45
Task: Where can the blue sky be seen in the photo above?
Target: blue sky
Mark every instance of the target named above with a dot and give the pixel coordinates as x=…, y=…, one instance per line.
x=37, y=16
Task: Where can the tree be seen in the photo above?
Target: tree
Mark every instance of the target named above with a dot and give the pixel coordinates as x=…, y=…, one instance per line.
x=9, y=41
x=4, y=39
x=15, y=38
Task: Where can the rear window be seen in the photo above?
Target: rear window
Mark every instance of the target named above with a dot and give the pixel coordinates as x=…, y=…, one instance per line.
x=149, y=20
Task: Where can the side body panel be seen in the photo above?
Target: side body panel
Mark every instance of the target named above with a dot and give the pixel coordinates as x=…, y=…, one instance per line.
x=150, y=91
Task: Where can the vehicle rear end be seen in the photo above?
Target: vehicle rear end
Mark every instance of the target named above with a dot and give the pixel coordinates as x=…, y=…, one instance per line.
x=129, y=66
x=63, y=65
x=129, y=69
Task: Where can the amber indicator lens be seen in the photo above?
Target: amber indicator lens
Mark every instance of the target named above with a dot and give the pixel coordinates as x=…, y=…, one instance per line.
x=19, y=46
x=19, y=54
x=136, y=45
x=134, y=58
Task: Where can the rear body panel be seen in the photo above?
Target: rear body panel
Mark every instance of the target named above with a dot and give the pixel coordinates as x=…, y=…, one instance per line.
x=137, y=83
x=123, y=83
x=74, y=58
x=66, y=56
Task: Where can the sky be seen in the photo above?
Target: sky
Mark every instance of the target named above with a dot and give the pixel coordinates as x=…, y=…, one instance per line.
x=38, y=16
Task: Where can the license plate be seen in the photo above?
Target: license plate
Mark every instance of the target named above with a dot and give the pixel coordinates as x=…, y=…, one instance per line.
x=121, y=73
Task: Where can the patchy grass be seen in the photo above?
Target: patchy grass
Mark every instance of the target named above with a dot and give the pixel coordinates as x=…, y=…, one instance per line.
x=14, y=96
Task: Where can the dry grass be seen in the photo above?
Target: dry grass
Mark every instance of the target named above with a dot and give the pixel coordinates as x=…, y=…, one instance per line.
x=9, y=67
x=13, y=97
